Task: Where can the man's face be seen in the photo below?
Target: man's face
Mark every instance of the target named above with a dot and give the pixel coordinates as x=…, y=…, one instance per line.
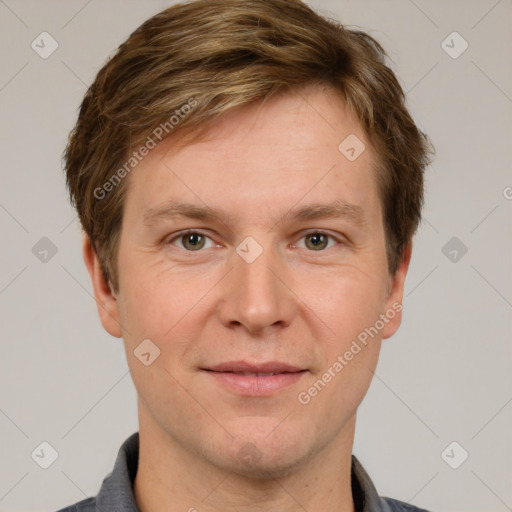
x=260, y=289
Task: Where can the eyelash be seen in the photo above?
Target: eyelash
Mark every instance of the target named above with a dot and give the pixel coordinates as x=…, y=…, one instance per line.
x=193, y=231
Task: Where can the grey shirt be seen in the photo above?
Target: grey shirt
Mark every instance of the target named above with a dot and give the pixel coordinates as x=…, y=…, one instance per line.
x=116, y=493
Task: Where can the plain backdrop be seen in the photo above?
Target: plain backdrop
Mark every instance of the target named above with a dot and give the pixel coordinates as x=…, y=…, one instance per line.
x=445, y=377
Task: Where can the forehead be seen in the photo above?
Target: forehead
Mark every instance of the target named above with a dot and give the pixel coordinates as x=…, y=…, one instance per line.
x=289, y=150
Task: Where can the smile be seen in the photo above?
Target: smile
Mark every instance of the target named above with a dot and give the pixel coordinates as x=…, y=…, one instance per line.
x=263, y=379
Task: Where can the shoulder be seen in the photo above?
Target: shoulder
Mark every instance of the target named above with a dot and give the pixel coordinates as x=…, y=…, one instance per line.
x=87, y=505
x=400, y=506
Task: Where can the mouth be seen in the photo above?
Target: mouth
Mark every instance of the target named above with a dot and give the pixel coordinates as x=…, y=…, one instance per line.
x=260, y=379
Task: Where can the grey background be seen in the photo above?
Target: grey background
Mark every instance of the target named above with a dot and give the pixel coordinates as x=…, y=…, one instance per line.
x=445, y=376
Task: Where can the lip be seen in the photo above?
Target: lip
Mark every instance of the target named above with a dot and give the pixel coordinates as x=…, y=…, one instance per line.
x=232, y=375
x=244, y=366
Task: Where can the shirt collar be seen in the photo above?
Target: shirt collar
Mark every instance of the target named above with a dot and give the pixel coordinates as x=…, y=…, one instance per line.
x=116, y=493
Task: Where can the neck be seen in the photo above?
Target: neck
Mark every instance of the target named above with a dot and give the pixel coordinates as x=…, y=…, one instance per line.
x=172, y=478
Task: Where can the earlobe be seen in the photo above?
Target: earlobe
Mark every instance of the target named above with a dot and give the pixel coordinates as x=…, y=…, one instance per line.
x=106, y=299
x=393, y=304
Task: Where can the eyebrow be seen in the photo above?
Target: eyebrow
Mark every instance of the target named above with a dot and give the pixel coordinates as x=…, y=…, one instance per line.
x=338, y=209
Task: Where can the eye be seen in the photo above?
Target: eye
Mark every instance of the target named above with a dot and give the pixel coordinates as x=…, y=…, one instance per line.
x=194, y=241
x=317, y=240
x=191, y=240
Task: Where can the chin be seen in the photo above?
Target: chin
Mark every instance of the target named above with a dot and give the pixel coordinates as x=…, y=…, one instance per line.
x=264, y=450
x=265, y=463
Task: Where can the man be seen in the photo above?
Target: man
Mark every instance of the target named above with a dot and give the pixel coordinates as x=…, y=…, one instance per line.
x=249, y=182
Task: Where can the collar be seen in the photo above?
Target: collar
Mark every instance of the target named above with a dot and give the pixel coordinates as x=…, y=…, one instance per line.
x=116, y=493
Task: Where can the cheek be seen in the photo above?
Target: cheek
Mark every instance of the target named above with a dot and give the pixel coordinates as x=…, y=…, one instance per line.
x=148, y=299
x=347, y=304
x=167, y=308
x=342, y=390
x=348, y=355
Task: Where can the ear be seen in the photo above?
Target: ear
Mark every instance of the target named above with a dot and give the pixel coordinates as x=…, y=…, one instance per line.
x=106, y=299
x=393, y=304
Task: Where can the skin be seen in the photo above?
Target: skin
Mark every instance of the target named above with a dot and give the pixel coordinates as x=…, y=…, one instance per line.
x=294, y=303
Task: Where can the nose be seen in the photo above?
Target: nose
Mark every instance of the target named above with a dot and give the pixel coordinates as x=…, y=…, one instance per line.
x=257, y=295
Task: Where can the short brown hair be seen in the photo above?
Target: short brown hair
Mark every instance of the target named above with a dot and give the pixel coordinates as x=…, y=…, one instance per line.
x=216, y=55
